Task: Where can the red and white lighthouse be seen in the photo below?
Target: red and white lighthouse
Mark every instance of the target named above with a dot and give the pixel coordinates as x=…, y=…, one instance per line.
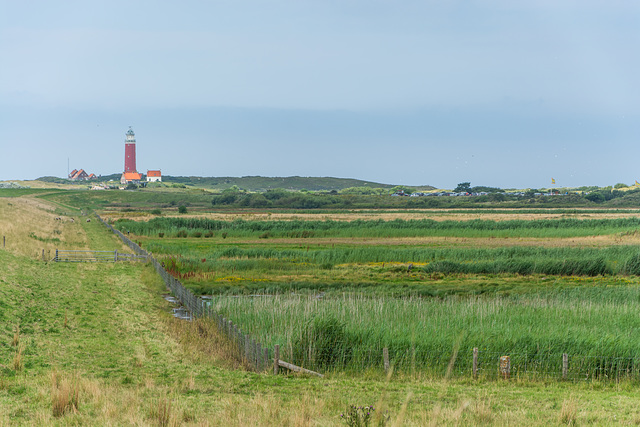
x=130, y=174
x=130, y=152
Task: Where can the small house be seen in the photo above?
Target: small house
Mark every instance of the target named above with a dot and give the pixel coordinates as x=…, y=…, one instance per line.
x=154, y=176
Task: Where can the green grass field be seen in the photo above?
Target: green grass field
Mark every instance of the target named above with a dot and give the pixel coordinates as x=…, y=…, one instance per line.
x=95, y=344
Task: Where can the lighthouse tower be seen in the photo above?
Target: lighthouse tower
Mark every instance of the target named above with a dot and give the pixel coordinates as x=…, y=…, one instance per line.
x=130, y=152
x=130, y=174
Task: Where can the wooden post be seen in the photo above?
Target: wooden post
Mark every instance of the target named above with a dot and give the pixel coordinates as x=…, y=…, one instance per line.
x=247, y=349
x=258, y=357
x=276, y=359
x=385, y=359
x=475, y=362
x=266, y=358
x=565, y=365
x=43, y=254
x=505, y=367
x=3, y=241
x=115, y=255
x=56, y=255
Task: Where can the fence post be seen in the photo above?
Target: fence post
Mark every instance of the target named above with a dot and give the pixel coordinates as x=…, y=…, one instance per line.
x=56, y=255
x=505, y=367
x=265, y=360
x=475, y=362
x=385, y=359
x=258, y=357
x=43, y=254
x=565, y=365
x=3, y=241
x=276, y=359
x=115, y=255
x=247, y=348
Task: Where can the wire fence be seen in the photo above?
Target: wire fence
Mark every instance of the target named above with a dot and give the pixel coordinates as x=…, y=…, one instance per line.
x=255, y=356
x=346, y=357
x=94, y=256
x=465, y=363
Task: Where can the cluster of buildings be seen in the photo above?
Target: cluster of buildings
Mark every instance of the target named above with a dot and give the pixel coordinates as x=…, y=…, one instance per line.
x=130, y=174
x=80, y=175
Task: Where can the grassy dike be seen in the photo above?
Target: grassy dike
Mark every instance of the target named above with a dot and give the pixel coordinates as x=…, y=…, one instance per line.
x=96, y=346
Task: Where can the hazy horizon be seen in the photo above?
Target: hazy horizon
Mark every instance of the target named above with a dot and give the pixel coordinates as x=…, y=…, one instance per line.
x=415, y=93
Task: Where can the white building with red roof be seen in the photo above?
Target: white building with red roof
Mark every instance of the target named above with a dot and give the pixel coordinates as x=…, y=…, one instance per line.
x=154, y=176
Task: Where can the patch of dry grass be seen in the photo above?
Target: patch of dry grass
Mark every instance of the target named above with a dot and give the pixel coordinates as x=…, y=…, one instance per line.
x=65, y=394
x=569, y=412
x=30, y=225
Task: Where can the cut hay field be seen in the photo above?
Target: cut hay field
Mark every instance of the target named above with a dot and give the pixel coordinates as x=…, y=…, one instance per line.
x=404, y=214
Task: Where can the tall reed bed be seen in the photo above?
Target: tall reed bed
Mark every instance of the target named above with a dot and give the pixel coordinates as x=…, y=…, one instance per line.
x=566, y=227
x=593, y=325
x=523, y=260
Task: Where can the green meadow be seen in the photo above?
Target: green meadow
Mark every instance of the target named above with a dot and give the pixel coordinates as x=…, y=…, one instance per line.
x=333, y=294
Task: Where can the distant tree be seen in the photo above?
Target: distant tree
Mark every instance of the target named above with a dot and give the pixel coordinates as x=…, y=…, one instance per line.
x=131, y=186
x=497, y=197
x=226, y=198
x=620, y=185
x=463, y=187
x=233, y=189
x=596, y=197
x=531, y=192
x=182, y=209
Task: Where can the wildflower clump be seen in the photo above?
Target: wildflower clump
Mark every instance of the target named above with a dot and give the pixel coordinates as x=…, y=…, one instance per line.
x=362, y=416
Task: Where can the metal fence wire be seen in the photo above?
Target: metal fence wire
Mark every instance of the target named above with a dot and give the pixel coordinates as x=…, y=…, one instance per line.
x=95, y=256
x=255, y=356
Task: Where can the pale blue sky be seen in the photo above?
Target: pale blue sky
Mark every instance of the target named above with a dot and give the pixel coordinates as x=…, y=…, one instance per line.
x=498, y=93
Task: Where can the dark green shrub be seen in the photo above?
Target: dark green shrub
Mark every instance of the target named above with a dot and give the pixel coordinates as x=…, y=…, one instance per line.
x=182, y=233
x=182, y=209
x=156, y=212
x=446, y=267
x=208, y=234
x=632, y=265
x=324, y=343
x=160, y=234
x=196, y=234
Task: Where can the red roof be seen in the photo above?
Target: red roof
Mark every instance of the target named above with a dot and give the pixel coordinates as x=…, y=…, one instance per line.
x=153, y=173
x=132, y=176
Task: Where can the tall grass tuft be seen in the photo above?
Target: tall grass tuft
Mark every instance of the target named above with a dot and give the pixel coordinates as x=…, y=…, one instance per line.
x=632, y=265
x=161, y=412
x=17, y=363
x=16, y=337
x=568, y=413
x=324, y=343
x=65, y=394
